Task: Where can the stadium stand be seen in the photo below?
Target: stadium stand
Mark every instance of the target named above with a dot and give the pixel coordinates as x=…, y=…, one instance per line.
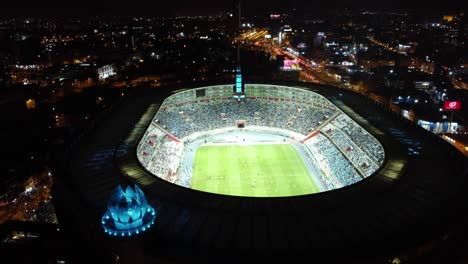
x=332, y=162
x=349, y=150
x=185, y=120
x=360, y=137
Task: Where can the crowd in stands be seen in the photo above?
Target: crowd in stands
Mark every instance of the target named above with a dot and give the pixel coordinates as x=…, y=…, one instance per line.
x=165, y=159
x=147, y=145
x=351, y=150
x=185, y=176
x=160, y=154
x=187, y=119
x=361, y=138
x=327, y=182
x=332, y=162
x=343, y=150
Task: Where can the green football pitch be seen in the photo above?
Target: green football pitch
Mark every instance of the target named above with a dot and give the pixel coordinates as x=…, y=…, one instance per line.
x=253, y=170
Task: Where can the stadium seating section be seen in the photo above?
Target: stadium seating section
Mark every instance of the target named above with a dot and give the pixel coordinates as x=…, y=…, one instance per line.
x=344, y=152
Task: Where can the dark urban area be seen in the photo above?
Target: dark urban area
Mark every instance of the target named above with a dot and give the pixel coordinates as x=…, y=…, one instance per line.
x=234, y=131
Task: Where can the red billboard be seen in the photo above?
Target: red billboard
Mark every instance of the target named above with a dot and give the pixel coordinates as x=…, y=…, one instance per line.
x=452, y=105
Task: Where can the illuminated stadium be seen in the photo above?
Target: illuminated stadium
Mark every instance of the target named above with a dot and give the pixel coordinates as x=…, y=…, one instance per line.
x=285, y=169
x=277, y=141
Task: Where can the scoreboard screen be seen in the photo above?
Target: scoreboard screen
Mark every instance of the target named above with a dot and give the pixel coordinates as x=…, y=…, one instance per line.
x=239, y=85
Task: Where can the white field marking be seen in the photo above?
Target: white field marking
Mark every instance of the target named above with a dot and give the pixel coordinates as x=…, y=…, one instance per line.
x=242, y=143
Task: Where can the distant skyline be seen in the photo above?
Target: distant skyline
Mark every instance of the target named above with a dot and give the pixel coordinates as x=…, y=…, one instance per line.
x=207, y=7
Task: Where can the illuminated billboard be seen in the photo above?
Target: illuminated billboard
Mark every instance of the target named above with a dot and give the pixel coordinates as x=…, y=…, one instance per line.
x=302, y=45
x=239, y=86
x=452, y=105
x=291, y=65
x=275, y=16
x=423, y=85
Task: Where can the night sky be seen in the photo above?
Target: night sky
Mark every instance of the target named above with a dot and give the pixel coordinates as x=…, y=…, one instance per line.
x=206, y=7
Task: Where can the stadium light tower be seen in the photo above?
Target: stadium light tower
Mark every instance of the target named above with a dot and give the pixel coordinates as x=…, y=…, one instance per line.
x=239, y=13
x=238, y=89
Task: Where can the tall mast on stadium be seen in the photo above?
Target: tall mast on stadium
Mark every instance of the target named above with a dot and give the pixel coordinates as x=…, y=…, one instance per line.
x=239, y=18
x=238, y=89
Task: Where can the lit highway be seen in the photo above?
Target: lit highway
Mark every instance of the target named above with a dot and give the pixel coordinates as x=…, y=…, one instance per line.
x=311, y=71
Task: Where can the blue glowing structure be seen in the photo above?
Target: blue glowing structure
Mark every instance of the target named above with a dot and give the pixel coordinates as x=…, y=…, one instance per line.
x=128, y=213
x=239, y=86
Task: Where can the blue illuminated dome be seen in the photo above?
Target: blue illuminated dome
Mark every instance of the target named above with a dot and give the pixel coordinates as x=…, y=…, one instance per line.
x=128, y=212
